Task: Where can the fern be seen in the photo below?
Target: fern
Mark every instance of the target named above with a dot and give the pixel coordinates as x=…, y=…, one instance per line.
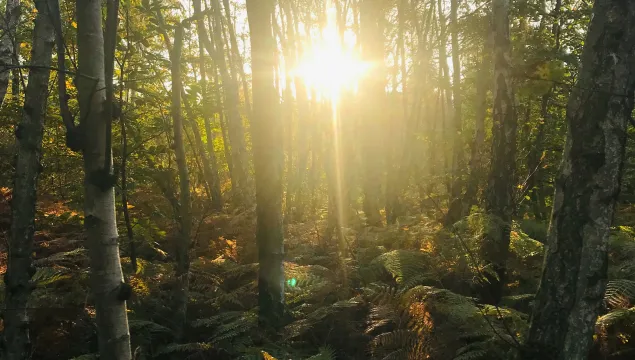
x=229, y=331
x=620, y=293
x=64, y=258
x=86, y=357
x=326, y=353
x=221, y=318
x=616, y=317
x=171, y=349
x=147, y=327
x=47, y=275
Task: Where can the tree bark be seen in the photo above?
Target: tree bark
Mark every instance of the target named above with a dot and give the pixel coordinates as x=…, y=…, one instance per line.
x=587, y=187
x=499, y=200
x=182, y=245
x=268, y=161
x=95, y=105
x=7, y=44
x=16, y=340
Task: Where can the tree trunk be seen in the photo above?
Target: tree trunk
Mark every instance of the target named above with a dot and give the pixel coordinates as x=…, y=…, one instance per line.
x=16, y=341
x=454, y=211
x=182, y=245
x=7, y=44
x=268, y=161
x=499, y=200
x=213, y=179
x=476, y=151
x=372, y=93
x=534, y=159
x=108, y=288
x=236, y=131
x=239, y=62
x=396, y=166
x=587, y=187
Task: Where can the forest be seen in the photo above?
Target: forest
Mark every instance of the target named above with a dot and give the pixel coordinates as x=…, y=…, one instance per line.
x=317, y=179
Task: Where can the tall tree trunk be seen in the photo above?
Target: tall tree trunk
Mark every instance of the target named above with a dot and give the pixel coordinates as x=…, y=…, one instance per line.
x=454, y=211
x=95, y=104
x=184, y=216
x=7, y=44
x=372, y=92
x=236, y=131
x=268, y=161
x=304, y=124
x=397, y=166
x=476, y=151
x=213, y=180
x=16, y=341
x=587, y=187
x=499, y=200
x=535, y=157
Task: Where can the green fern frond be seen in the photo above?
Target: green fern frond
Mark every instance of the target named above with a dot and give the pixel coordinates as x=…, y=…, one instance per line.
x=63, y=258
x=476, y=354
x=47, y=275
x=401, y=264
x=147, y=327
x=228, y=331
x=400, y=338
x=183, y=348
x=616, y=317
x=221, y=318
x=86, y=357
x=326, y=353
x=620, y=293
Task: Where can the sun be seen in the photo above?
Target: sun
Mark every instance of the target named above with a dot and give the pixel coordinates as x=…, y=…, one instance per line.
x=331, y=65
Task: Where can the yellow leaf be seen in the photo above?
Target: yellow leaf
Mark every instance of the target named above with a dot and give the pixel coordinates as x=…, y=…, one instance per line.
x=266, y=356
x=544, y=154
x=130, y=206
x=74, y=24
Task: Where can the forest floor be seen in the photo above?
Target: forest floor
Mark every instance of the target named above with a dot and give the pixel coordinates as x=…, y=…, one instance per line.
x=404, y=289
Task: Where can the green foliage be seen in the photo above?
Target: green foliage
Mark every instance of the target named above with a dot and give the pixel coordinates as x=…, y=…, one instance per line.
x=182, y=349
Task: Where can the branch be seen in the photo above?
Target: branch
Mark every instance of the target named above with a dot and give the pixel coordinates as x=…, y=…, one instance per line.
x=67, y=117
